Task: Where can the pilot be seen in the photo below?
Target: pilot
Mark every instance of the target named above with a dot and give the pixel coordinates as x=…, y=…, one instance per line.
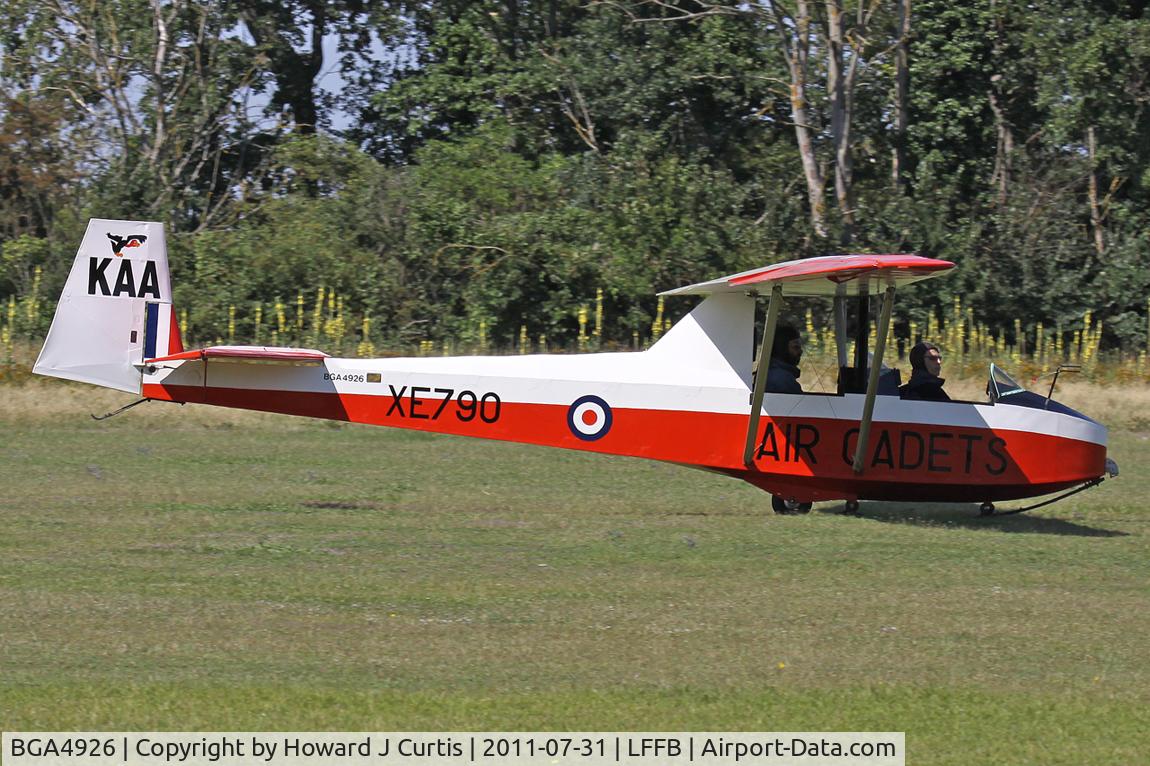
x=925, y=383
x=783, y=378
x=783, y=372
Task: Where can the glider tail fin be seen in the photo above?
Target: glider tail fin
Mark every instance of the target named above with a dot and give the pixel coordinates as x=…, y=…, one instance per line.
x=115, y=310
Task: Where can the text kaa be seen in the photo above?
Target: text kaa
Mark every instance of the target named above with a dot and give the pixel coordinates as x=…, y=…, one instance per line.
x=126, y=283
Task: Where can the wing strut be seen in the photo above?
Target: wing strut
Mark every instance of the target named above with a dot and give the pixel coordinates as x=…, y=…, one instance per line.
x=872, y=382
x=840, y=308
x=764, y=363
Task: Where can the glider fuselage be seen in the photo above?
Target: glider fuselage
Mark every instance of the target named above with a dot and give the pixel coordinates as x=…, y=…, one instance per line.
x=629, y=404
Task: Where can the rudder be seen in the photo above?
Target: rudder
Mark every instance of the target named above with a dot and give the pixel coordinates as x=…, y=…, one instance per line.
x=115, y=310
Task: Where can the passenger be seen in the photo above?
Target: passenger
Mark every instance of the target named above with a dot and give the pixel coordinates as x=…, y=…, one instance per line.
x=925, y=383
x=783, y=372
x=783, y=378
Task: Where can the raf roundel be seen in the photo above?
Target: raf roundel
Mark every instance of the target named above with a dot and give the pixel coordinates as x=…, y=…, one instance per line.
x=589, y=418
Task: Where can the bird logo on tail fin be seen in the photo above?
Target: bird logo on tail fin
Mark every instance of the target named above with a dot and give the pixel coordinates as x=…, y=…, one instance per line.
x=119, y=243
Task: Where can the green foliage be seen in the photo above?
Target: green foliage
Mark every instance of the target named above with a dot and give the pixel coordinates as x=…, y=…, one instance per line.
x=20, y=258
x=496, y=237
x=489, y=239
x=505, y=161
x=318, y=232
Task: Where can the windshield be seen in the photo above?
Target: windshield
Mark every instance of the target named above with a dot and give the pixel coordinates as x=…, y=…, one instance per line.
x=1001, y=384
x=1003, y=389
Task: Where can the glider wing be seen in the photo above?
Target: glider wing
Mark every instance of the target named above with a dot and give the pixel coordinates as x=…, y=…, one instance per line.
x=826, y=276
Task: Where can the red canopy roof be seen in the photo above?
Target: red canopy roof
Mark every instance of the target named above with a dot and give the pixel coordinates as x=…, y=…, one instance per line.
x=829, y=275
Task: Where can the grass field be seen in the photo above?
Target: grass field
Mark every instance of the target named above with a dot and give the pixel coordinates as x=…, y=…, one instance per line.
x=187, y=568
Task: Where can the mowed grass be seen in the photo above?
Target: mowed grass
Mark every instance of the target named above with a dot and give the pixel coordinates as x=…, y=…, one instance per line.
x=188, y=568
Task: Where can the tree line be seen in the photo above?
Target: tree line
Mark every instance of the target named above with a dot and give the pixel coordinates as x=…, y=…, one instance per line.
x=454, y=165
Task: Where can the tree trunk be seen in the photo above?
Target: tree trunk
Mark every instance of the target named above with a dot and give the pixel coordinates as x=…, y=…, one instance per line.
x=840, y=86
x=796, y=49
x=294, y=71
x=902, y=96
x=1004, y=138
x=1092, y=194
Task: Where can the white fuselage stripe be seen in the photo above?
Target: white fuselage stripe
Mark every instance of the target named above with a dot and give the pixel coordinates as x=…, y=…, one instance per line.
x=624, y=381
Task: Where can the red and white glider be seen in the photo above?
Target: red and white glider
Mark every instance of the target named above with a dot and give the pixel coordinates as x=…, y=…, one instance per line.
x=692, y=398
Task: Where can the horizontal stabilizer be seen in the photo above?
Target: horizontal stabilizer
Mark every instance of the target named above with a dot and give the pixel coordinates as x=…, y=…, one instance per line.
x=248, y=354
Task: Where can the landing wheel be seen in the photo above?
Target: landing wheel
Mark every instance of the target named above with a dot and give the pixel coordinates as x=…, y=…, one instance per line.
x=787, y=507
x=852, y=508
x=986, y=509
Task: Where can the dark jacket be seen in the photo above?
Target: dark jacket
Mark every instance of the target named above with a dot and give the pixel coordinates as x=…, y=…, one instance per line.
x=924, y=387
x=783, y=377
